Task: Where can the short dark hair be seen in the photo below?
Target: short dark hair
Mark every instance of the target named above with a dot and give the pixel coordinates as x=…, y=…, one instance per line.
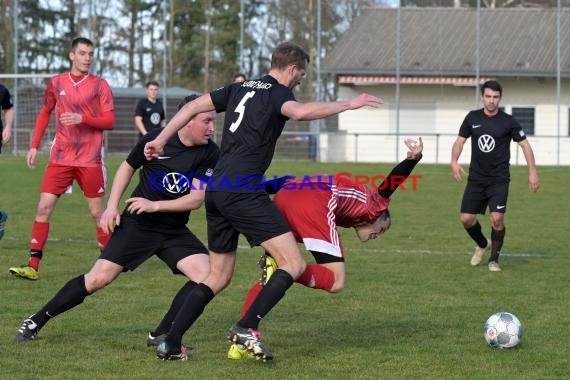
x=239, y=75
x=152, y=83
x=492, y=85
x=289, y=53
x=187, y=99
x=80, y=40
x=386, y=216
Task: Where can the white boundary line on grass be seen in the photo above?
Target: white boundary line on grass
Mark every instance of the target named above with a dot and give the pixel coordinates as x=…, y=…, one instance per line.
x=371, y=250
x=430, y=252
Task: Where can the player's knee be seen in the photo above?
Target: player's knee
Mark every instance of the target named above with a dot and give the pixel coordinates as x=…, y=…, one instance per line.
x=96, y=282
x=218, y=281
x=337, y=287
x=43, y=212
x=497, y=223
x=296, y=268
x=468, y=220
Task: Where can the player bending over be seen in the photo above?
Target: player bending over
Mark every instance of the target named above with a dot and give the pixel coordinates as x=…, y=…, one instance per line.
x=317, y=210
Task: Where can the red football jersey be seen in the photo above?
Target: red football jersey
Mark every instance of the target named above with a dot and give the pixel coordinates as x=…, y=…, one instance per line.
x=80, y=144
x=313, y=207
x=356, y=204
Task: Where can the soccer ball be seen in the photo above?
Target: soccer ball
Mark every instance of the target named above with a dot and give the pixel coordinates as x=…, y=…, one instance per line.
x=503, y=330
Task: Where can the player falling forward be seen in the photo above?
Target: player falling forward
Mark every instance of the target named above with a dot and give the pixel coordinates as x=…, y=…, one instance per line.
x=314, y=212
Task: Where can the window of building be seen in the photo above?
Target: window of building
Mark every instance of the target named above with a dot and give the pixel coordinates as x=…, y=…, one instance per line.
x=525, y=117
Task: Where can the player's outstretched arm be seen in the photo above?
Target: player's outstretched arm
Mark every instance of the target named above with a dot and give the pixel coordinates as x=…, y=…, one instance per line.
x=155, y=147
x=401, y=171
x=318, y=110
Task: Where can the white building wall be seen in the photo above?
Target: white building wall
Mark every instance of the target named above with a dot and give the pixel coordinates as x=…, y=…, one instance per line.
x=436, y=112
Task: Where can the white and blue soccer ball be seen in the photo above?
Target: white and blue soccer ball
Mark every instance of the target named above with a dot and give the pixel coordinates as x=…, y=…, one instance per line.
x=503, y=330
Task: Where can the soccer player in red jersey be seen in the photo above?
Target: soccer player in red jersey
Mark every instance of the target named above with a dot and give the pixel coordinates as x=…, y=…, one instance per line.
x=84, y=109
x=314, y=207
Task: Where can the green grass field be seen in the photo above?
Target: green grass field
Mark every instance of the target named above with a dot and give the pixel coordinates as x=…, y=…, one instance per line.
x=413, y=306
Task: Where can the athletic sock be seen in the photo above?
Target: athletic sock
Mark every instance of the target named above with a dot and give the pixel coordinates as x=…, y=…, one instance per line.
x=70, y=295
x=102, y=238
x=195, y=303
x=35, y=258
x=318, y=277
x=164, y=325
x=40, y=231
x=497, y=239
x=269, y=296
x=476, y=234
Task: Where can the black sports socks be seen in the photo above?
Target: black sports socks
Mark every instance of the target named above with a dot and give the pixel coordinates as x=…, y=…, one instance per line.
x=269, y=296
x=199, y=296
x=72, y=294
x=476, y=234
x=164, y=325
x=497, y=239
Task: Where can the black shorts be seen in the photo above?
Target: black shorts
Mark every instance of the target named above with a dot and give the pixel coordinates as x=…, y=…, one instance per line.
x=132, y=243
x=478, y=195
x=252, y=214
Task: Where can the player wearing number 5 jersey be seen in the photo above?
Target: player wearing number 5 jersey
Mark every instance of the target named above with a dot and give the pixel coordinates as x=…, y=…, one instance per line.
x=255, y=114
x=84, y=109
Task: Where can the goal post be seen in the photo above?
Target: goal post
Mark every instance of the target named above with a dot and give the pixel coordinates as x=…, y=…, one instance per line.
x=27, y=91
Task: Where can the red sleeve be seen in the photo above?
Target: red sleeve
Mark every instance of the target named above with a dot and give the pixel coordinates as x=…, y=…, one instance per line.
x=106, y=121
x=41, y=125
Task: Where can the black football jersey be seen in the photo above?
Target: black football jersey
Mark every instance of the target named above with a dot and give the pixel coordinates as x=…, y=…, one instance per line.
x=490, y=143
x=152, y=113
x=253, y=123
x=5, y=102
x=170, y=175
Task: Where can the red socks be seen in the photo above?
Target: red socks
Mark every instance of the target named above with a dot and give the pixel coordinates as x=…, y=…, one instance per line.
x=315, y=276
x=102, y=238
x=40, y=232
x=318, y=277
x=250, y=297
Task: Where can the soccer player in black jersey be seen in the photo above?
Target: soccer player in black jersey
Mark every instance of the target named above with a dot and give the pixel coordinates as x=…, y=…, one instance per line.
x=153, y=222
x=149, y=112
x=491, y=131
x=236, y=203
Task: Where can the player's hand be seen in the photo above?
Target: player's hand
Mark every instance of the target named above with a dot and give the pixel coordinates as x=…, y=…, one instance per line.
x=70, y=118
x=6, y=135
x=415, y=147
x=138, y=205
x=457, y=171
x=31, y=158
x=153, y=149
x=533, y=182
x=365, y=100
x=109, y=219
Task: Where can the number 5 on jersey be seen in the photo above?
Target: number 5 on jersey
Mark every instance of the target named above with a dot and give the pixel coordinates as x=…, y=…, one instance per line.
x=240, y=109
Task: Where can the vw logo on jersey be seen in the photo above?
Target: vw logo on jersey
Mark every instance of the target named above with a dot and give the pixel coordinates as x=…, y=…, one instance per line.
x=486, y=143
x=175, y=183
x=155, y=118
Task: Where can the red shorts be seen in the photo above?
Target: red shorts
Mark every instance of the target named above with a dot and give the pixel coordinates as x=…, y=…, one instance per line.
x=310, y=214
x=92, y=180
